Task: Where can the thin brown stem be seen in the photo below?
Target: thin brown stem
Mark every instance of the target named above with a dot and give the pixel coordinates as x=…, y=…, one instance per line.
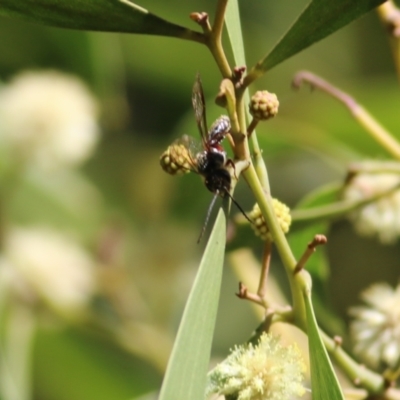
x=317, y=241
x=253, y=297
x=262, y=286
x=201, y=18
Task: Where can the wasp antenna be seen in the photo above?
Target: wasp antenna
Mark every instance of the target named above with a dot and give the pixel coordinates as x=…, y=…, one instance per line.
x=210, y=207
x=238, y=206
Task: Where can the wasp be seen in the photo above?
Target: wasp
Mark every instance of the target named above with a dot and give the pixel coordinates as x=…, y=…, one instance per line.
x=210, y=161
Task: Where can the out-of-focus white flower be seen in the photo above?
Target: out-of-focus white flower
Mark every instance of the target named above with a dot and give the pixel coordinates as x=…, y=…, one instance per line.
x=267, y=371
x=382, y=217
x=376, y=327
x=52, y=267
x=48, y=118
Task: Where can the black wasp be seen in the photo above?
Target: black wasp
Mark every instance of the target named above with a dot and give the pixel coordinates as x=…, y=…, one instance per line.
x=211, y=162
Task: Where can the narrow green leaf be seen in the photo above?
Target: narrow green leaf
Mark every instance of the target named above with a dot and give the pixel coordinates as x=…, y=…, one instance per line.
x=324, y=383
x=320, y=19
x=95, y=15
x=234, y=28
x=187, y=368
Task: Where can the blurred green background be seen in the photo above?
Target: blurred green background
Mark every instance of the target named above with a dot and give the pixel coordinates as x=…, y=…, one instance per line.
x=144, y=86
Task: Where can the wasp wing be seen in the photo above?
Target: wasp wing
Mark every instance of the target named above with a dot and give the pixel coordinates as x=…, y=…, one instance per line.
x=199, y=107
x=184, y=151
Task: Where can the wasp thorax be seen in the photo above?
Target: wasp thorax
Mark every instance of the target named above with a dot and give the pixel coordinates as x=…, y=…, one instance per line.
x=175, y=160
x=263, y=105
x=259, y=225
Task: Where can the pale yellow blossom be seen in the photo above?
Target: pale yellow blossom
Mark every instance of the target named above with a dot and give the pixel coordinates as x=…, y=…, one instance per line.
x=375, y=330
x=266, y=371
x=48, y=119
x=49, y=266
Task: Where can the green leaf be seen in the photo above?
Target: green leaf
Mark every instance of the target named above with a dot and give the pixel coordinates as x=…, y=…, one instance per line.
x=187, y=368
x=320, y=19
x=95, y=15
x=234, y=28
x=324, y=384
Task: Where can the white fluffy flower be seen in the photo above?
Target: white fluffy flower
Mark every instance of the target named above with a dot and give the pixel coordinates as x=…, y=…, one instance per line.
x=380, y=218
x=53, y=266
x=267, y=371
x=48, y=118
x=376, y=327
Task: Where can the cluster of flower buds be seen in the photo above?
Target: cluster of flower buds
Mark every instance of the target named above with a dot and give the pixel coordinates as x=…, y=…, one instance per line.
x=263, y=105
x=260, y=226
x=176, y=160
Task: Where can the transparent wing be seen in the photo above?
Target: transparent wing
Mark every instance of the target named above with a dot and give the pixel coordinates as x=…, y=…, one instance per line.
x=184, y=150
x=199, y=107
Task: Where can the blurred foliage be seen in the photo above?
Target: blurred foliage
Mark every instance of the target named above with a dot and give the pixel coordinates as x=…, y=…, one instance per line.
x=144, y=86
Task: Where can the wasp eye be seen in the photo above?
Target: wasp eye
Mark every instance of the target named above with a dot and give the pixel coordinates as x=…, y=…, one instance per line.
x=176, y=160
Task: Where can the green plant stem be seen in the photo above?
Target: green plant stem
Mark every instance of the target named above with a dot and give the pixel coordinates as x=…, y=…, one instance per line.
x=258, y=160
x=337, y=209
x=298, y=281
x=242, y=151
x=376, y=130
x=262, y=286
x=372, y=126
x=214, y=40
x=360, y=375
x=259, y=164
x=301, y=283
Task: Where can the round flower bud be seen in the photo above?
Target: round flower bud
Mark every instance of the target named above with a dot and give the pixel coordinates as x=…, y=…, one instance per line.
x=259, y=225
x=263, y=105
x=176, y=160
